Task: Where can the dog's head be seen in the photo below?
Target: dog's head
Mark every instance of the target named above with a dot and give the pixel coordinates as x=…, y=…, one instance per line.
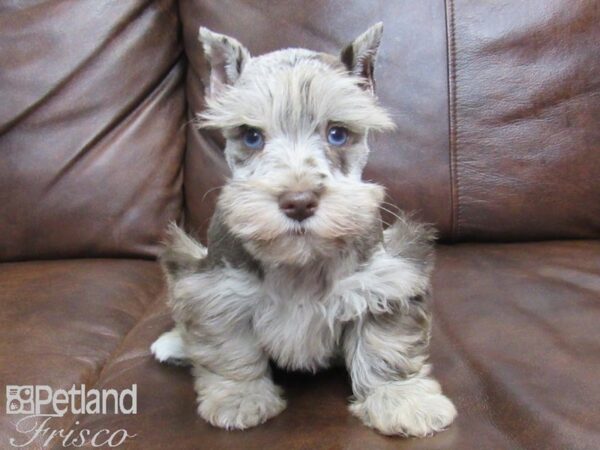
x=296, y=124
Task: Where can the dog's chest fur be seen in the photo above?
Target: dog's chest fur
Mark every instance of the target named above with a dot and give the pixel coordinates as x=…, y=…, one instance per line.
x=299, y=312
x=295, y=319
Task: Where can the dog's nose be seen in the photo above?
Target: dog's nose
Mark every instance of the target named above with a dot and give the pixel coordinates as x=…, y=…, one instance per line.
x=299, y=205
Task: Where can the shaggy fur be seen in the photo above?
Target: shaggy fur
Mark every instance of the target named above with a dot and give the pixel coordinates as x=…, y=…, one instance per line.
x=306, y=294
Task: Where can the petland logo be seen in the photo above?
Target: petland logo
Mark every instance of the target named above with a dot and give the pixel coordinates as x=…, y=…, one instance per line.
x=39, y=404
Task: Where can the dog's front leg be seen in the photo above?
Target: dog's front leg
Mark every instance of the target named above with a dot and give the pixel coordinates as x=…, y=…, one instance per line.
x=213, y=310
x=233, y=381
x=393, y=392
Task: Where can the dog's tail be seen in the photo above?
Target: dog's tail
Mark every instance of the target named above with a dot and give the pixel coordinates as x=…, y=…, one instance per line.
x=181, y=254
x=412, y=240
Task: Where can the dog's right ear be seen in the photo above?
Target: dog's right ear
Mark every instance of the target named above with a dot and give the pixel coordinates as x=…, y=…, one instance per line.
x=226, y=56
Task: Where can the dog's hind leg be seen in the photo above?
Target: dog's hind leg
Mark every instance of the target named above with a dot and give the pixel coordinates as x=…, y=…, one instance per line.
x=169, y=348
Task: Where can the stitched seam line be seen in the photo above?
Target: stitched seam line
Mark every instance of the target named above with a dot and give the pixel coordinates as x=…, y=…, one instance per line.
x=452, y=119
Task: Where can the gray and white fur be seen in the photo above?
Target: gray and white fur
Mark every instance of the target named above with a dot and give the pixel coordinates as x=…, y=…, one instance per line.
x=306, y=292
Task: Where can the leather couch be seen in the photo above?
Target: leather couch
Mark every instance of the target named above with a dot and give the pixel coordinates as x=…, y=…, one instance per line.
x=498, y=144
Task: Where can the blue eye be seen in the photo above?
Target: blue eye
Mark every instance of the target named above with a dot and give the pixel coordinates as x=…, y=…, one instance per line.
x=253, y=138
x=337, y=136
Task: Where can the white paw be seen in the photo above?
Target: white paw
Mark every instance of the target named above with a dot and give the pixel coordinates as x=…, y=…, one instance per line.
x=169, y=347
x=239, y=405
x=414, y=407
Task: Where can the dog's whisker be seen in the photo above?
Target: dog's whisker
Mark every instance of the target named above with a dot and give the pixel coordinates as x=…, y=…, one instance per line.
x=395, y=215
x=209, y=191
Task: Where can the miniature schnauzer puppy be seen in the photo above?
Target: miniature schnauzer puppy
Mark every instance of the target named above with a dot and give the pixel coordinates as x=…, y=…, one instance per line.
x=298, y=268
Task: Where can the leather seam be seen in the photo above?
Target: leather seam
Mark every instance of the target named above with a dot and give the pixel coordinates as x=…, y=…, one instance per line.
x=453, y=120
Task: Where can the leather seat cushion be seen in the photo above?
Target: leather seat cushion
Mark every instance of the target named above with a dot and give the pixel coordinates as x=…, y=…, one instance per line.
x=516, y=345
x=61, y=321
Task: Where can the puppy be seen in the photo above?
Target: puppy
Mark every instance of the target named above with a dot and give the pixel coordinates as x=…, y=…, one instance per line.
x=298, y=268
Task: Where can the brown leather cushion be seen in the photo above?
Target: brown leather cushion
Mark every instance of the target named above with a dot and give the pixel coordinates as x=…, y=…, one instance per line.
x=90, y=127
x=61, y=321
x=510, y=152
x=515, y=345
x=525, y=133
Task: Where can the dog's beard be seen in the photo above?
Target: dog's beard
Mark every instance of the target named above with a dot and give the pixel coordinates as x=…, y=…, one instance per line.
x=348, y=209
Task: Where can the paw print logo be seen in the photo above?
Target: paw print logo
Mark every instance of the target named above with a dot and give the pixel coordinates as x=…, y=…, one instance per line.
x=19, y=399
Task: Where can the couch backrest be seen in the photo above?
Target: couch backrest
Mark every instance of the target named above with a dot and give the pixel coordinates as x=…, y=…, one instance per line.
x=91, y=127
x=497, y=106
x=525, y=118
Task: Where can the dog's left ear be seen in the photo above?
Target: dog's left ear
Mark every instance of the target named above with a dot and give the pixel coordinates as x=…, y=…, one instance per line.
x=226, y=56
x=359, y=56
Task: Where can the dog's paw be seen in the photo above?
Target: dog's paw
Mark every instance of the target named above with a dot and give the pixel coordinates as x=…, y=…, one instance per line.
x=239, y=405
x=414, y=407
x=169, y=348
